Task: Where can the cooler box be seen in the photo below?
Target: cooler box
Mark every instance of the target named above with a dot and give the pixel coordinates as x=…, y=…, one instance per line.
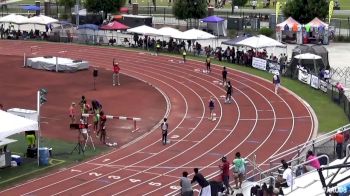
x=43, y=156
x=16, y=158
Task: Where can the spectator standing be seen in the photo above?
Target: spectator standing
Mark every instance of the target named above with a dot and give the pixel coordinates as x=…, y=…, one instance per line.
x=314, y=164
x=225, y=168
x=277, y=82
x=339, y=139
x=72, y=113
x=116, y=70
x=254, y=3
x=238, y=170
x=185, y=184
x=203, y=183
x=224, y=76
x=164, y=126
x=211, y=108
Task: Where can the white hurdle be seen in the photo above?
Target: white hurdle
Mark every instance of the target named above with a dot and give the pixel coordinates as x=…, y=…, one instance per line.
x=134, y=119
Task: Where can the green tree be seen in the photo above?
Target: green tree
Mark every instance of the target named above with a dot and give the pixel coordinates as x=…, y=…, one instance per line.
x=306, y=10
x=190, y=9
x=68, y=4
x=107, y=6
x=239, y=2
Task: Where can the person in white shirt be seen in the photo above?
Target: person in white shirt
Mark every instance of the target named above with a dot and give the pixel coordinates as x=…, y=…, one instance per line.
x=286, y=180
x=185, y=183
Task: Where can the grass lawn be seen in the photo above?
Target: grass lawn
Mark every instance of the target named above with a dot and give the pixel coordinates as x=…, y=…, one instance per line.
x=61, y=158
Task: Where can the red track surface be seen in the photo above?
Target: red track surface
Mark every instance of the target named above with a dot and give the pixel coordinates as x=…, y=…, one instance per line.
x=258, y=122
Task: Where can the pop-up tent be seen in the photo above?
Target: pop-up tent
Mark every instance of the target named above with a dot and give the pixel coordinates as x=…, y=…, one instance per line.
x=313, y=65
x=215, y=24
x=316, y=29
x=260, y=41
x=234, y=41
x=289, y=31
x=14, y=18
x=114, y=26
x=12, y=124
x=168, y=32
x=144, y=30
x=42, y=20
x=194, y=34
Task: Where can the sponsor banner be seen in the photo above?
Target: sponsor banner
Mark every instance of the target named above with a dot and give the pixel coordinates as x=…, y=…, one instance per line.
x=315, y=82
x=259, y=63
x=323, y=86
x=304, y=77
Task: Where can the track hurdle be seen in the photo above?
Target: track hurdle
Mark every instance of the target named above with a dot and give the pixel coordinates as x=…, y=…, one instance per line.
x=134, y=119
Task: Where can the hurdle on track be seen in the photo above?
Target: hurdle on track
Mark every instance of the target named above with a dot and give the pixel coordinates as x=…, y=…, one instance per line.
x=134, y=119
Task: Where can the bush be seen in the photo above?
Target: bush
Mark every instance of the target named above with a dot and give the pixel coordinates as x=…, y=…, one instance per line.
x=266, y=31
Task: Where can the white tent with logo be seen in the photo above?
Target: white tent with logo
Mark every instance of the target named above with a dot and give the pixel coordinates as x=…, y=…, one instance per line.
x=12, y=124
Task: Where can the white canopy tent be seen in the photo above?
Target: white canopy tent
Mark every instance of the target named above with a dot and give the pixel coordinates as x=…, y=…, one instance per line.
x=41, y=19
x=143, y=30
x=307, y=56
x=168, y=32
x=12, y=124
x=194, y=34
x=14, y=18
x=260, y=41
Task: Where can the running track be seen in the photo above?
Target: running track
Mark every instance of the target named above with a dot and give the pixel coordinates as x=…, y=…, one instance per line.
x=258, y=122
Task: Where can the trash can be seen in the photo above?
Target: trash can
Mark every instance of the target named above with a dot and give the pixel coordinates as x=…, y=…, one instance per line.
x=43, y=156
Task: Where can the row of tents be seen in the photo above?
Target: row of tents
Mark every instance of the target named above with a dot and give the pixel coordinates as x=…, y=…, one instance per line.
x=21, y=20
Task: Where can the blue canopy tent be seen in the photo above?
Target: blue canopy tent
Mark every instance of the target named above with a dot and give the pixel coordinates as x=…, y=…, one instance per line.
x=87, y=33
x=31, y=8
x=216, y=24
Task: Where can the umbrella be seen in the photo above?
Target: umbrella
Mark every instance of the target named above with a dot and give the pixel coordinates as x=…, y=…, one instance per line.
x=307, y=56
x=31, y=8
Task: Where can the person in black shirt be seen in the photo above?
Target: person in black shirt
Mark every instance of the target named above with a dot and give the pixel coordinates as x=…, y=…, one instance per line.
x=199, y=178
x=224, y=76
x=228, y=92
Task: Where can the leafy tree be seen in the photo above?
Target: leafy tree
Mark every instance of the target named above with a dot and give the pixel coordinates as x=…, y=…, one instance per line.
x=306, y=10
x=187, y=9
x=239, y=2
x=68, y=4
x=107, y=6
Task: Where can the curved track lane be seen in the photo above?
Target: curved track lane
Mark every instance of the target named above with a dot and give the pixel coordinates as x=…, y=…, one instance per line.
x=258, y=122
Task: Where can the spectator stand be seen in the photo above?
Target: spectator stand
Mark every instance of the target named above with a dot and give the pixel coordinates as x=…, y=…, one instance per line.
x=323, y=146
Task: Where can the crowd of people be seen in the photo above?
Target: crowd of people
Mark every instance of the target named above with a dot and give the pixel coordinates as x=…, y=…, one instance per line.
x=213, y=187
x=98, y=119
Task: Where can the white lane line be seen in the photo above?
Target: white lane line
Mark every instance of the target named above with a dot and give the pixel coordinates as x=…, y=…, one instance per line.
x=280, y=118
